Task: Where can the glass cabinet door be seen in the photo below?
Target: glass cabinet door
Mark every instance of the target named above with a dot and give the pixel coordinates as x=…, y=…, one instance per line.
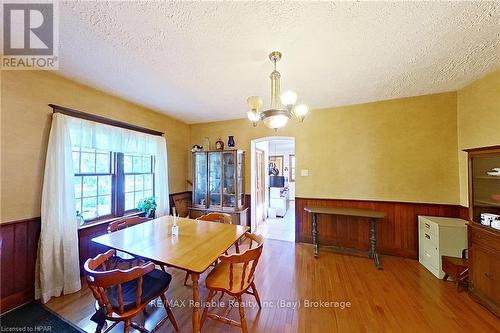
x=229, y=186
x=485, y=185
x=200, y=179
x=214, y=181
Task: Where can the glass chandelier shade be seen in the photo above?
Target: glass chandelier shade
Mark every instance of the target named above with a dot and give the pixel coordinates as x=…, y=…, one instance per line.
x=282, y=106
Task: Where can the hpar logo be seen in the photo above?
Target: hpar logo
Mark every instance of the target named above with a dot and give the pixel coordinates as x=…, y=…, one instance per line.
x=30, y=36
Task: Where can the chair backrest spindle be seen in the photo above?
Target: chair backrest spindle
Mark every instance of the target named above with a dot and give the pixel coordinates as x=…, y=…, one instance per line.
x=249, y=257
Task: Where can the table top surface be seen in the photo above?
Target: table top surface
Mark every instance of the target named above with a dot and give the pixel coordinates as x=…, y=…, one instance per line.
x=360, y=212
x=195, y=248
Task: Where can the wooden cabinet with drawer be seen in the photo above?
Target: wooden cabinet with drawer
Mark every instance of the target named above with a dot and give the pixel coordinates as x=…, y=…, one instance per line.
x=440, y=236
x=484, y=241
x=484, y=274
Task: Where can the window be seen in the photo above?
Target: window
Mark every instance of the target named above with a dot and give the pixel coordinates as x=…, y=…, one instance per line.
x=109, y=184
x=138, y=179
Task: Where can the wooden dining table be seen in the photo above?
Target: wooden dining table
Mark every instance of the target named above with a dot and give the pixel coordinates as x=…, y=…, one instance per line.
x=197, y=245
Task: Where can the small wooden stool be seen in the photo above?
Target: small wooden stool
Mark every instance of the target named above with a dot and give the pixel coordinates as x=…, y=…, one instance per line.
x=457, y=268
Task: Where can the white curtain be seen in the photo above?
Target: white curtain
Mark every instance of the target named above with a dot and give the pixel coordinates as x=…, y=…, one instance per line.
x=57, y=262
x=161, y=178
x=58, y=259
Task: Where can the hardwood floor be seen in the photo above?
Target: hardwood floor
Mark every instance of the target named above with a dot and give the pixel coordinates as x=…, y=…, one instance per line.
x=404, y=297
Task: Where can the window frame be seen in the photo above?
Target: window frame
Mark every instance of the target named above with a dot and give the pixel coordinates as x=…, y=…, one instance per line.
x=95, y=174
x=117, y=173
x=124, y=174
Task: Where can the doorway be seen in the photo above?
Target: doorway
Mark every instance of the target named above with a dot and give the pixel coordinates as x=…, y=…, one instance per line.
x=260, y=185
x=273, y=187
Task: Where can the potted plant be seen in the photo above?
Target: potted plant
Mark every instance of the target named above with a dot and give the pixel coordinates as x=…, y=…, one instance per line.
x=147, y=206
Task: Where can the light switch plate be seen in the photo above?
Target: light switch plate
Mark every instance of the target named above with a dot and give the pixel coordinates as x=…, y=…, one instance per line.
x=304, y=172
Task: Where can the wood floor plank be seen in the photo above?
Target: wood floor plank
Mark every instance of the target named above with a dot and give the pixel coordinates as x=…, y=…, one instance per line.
x=404, y=297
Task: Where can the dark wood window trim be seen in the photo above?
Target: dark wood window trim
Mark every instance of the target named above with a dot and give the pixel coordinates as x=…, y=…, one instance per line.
x=106, y=220
x=102, y=120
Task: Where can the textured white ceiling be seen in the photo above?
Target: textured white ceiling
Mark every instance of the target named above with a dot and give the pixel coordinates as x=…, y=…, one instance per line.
x=200, y=61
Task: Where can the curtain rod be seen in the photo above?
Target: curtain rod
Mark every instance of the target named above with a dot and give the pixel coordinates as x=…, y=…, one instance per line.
x=102, y=120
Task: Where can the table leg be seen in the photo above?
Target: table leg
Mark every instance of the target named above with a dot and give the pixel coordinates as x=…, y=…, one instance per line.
x=373, y=244
x=196, y=301
x=315, y=233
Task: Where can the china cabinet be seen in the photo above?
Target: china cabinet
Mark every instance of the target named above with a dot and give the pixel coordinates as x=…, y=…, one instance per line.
x=218, y=184
x=484, y=241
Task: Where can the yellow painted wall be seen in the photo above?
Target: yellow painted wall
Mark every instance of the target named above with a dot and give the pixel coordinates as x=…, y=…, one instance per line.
x=478, y=109
x=25, y=125
x=396, y=150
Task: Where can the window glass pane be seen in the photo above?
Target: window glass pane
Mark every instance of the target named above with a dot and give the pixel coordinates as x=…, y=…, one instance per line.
x=137, y=164
x=87, y=163
x=139, y=195
x=76, y=161
x=102, y=163
x=148, y=182
x=78, y=187
x=79, y=205
x=104, y=205
x=127, y=163
x=129, y=183
x=146, y=164
x=89, y=207
x=139, y=182
x=129, y=201
x=104, y=185
x=89, y=186
x=148, y=194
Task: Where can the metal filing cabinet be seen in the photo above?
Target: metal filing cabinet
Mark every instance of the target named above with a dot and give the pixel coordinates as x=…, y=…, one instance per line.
x=440, y=236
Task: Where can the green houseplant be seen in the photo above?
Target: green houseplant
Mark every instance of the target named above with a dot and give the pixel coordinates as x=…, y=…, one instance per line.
x=147, y=206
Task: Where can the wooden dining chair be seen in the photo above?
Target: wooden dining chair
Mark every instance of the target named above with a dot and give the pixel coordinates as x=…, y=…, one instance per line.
x=213, y=217
x=125, y=223
x=234, y=275
x=122, y=294
x=122, y=259
x=216, y=217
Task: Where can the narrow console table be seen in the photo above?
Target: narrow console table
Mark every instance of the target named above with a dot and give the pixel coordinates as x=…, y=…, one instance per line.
x=373, y=215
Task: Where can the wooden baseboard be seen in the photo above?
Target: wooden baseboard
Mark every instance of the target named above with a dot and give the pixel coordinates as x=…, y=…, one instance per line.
x=13, y=301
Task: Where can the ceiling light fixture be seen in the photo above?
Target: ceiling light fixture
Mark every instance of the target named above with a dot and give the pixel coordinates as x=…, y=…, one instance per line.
x=282, y=106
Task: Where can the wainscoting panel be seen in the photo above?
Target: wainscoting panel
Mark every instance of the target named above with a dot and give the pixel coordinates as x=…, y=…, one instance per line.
x=18, y=249
x=397, y=234
x=87, y=248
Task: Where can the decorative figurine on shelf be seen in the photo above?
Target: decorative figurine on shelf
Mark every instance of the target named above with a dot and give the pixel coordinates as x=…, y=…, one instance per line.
x=219, y=144
x=206, y=143
x=196, y=148
x=230, y=141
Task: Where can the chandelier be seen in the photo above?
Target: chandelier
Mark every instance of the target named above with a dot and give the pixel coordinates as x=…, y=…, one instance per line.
x=282, y=106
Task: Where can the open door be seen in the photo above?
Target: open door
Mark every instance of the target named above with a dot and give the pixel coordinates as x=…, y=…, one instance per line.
x=260, y=185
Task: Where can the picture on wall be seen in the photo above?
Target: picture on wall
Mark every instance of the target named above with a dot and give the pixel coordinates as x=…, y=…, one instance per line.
x=278, y=163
